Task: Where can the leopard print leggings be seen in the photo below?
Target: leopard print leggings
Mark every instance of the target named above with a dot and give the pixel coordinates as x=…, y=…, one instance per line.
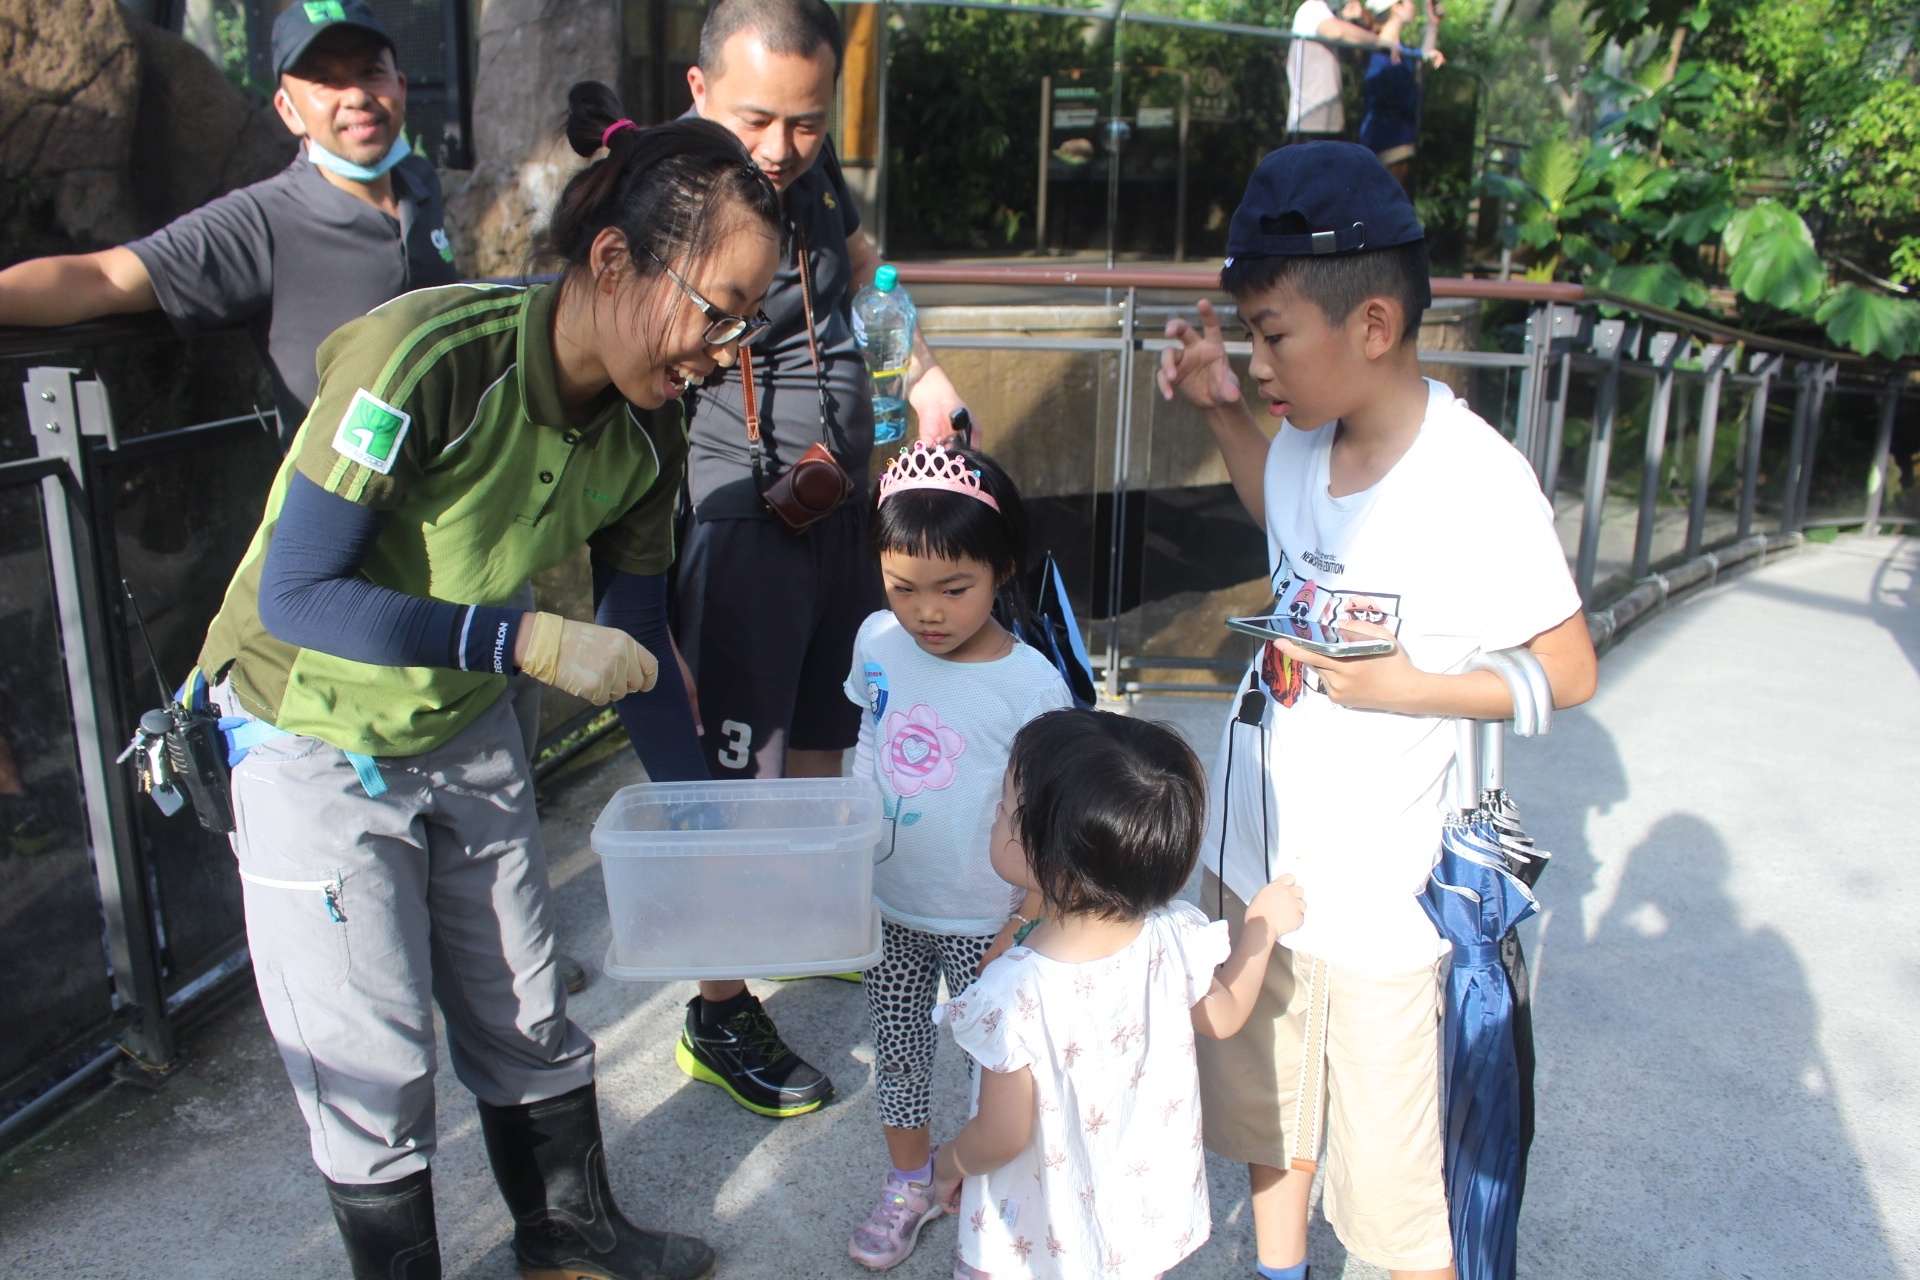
x=901, y=992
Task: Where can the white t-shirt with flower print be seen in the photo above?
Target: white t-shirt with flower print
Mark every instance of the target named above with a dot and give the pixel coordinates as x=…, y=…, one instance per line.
x=935, y=738
x=1114, y=1182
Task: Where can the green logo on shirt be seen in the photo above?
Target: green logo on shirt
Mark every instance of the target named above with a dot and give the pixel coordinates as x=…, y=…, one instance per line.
x=324, y=11
x=371, y=432
x=440, y=242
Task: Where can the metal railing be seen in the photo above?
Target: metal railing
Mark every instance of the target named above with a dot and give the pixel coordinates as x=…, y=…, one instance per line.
x=1564, y=339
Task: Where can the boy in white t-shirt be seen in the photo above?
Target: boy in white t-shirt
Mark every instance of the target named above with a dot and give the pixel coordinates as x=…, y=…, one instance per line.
x=1390, y=510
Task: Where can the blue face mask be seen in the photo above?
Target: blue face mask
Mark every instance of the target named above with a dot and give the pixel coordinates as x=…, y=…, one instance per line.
x=358, y=172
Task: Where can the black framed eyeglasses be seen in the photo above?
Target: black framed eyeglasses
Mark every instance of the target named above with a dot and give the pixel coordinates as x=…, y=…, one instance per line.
x=723, y=327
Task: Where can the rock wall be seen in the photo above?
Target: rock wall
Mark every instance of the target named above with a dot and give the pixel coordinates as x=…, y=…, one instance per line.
x=110, y=127
x=530, y=52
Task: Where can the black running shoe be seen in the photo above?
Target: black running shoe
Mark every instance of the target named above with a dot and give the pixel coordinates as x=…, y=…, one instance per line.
x=746, y=1057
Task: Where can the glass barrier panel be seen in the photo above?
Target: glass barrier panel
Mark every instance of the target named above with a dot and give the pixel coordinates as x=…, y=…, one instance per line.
x=1844, y=452
x=57, y=988
x=175, y=522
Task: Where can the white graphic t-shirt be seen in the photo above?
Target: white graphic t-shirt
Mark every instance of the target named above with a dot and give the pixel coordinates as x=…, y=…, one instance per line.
x=1113, y=1181
x=936, y=737
x=1313, y=76
x=1454, y=551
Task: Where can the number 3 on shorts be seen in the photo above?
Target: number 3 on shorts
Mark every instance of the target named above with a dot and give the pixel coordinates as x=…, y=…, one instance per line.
x=739, y=740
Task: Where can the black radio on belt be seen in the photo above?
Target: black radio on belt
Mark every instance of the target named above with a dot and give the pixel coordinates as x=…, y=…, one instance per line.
x=180, y=748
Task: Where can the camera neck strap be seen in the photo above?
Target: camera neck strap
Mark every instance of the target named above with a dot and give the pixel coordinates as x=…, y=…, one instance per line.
x=749, y=398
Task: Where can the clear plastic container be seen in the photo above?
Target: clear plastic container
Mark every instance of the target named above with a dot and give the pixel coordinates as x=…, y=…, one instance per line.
x=758, y=879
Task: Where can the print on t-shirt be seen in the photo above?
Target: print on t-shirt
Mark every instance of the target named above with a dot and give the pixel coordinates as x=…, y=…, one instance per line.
x=1301, y=599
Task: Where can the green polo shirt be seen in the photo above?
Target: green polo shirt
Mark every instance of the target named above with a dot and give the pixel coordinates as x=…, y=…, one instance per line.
x=441, y=408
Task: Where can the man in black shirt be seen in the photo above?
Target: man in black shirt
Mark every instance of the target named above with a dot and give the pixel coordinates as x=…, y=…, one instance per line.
x=354, y=221
x=767, y=618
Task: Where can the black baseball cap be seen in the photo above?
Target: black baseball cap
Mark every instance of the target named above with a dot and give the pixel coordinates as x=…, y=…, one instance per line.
x=303, y=20
x=1317, y=198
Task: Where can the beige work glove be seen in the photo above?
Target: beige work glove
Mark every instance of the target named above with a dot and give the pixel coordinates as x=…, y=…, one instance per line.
x=597, y=663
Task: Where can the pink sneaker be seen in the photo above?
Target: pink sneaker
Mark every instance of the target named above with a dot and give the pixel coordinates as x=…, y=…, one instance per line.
x=886, y=1238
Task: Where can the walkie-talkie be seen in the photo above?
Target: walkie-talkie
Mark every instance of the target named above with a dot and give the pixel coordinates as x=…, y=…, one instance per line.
x=180, y=748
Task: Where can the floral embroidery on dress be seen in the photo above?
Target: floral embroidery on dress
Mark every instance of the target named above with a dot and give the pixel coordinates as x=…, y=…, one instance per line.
x=1054, y=1247
x=1124, y=1036
x=1171, y=1109
x=920, y=751
x=1071, y=1053
x=979, y=1219
x=1096, y=1120
x=1022, y=1246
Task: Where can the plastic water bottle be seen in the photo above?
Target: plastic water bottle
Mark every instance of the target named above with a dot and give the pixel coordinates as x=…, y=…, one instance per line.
x=883, y=320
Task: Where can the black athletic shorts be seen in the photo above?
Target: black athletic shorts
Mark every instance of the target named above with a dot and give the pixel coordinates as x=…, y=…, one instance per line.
x=767, y=620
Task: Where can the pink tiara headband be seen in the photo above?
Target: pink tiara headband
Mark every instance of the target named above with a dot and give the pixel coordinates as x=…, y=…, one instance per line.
x=935, y=468
x=606, y=135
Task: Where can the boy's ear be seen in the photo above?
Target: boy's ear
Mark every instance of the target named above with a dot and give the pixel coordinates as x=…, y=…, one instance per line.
x=1381, y=321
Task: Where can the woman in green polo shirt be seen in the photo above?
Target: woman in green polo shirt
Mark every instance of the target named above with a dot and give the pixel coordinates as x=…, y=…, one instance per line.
x=463, y=439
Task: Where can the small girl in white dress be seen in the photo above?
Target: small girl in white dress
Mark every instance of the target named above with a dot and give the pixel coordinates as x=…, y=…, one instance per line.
x=1083, y=1156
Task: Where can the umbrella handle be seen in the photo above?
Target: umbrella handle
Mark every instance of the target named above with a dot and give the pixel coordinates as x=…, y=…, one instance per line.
x=1536, y=675
x=1519, y=688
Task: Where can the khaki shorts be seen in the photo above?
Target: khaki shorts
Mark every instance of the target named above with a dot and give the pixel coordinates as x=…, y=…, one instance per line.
x=1370, y=1096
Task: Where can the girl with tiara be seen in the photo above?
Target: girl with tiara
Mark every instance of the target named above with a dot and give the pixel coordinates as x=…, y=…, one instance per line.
x=946, y=687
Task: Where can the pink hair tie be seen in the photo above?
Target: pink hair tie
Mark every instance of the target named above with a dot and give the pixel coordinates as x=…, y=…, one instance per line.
x=606, y=136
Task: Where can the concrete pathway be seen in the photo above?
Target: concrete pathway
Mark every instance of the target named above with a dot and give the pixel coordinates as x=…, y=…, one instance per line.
x=1726, y=983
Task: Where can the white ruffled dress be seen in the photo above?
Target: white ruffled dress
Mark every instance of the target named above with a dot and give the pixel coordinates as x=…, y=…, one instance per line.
x=1114, y=1182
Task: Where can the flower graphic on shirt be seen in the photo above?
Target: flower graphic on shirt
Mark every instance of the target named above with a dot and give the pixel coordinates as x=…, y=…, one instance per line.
x=1054, y=1158
x=1028, y=1005
x=920, y=751
x=1170, y=1110
x=1096, y=1120
x=1124, y=1036
x=1054, y=1247
x=1071, y=1053
x=1022, y=1246
x=979, y=1220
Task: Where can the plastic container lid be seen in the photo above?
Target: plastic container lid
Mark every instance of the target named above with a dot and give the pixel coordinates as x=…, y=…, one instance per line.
x=886, y=277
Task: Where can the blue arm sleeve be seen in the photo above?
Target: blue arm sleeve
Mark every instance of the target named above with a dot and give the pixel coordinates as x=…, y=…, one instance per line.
x=311, y=595
x=660, y=721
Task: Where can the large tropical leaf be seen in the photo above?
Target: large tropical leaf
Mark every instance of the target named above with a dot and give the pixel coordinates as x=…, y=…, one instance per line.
x=1760, y=218
x=1773, y=259
x=1553, y=167
x=1661, y=283
x=1871, y=323
x=1695, y=225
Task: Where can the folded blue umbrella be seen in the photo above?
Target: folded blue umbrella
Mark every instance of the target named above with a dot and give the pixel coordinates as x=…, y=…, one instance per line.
x=1474, y=897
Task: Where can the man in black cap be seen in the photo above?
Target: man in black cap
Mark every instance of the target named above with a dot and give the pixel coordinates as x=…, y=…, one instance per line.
x=1391, y=511
x=354, y=221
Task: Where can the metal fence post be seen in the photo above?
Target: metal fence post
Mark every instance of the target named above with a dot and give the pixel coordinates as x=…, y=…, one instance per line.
x=1882, y=446
x=1122, y=466
x=1763, y=365
x=1804, y=378
x=1824, y=375
x=1564, y=327
x=1715, y=359
x=63, y=411
x=1609, y=343
x=1539, y=340
x=1662, y=351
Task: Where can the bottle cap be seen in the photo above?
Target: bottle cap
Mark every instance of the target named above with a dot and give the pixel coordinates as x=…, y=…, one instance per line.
x=886, y=277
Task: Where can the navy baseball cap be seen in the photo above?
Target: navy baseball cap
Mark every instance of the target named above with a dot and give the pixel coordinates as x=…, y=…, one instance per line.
x=296, y=28
x=1317, y=198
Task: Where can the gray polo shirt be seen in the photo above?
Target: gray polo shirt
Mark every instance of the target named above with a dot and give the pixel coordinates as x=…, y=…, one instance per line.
x=718, y=472
x=293, y=258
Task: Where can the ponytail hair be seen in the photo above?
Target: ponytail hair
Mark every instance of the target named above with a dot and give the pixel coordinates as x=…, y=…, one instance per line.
x=942, y=525
x=671, y=190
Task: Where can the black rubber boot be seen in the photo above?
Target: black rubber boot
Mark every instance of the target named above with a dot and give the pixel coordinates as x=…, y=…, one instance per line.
x=552, y=1171
x=388, y=1227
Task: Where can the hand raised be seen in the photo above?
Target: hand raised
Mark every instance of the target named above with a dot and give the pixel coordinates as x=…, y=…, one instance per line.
x=1198, y=368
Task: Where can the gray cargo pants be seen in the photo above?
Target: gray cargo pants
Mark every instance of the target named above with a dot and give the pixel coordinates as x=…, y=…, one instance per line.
x=362, y=912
